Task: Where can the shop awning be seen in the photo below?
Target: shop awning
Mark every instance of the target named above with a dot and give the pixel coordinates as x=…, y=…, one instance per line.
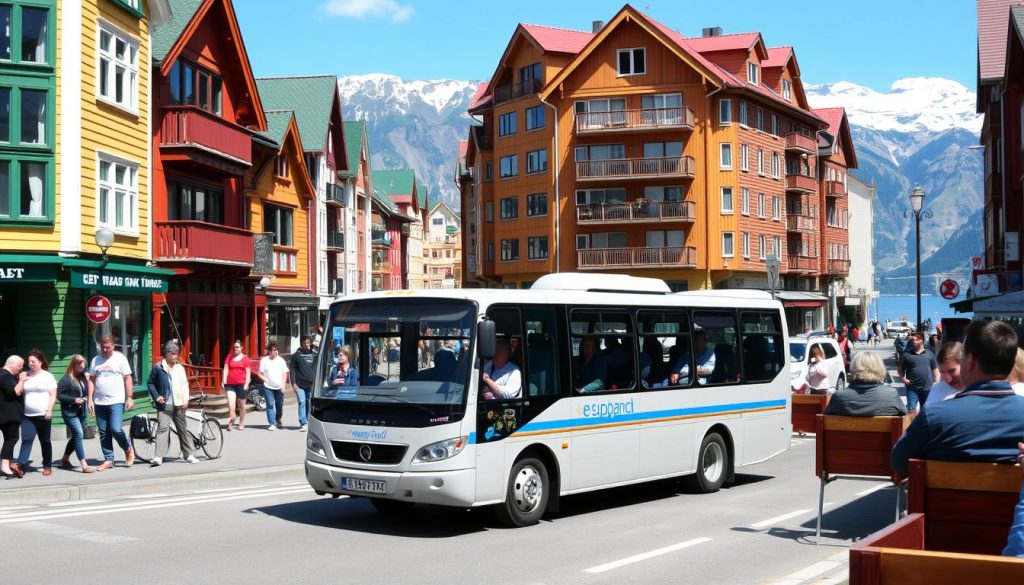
x=967, y=305
x=18, y=268
x=116, y=276
x=1005, y=305
x=798, y=298
x=284, y=299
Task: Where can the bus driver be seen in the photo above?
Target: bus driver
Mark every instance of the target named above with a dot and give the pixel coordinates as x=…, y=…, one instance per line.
x=502, y=379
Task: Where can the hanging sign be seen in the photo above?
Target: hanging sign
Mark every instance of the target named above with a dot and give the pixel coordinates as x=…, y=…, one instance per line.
x=97, y=309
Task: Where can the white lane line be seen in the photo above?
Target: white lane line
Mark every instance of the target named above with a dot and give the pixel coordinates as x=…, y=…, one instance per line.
x=817, y=569
x=9, y=509
x=230, y=489
x=645, y=556
x=148, y=496
x=77, y=533
x=776, y=519
x=874, y=489
x=75, y=503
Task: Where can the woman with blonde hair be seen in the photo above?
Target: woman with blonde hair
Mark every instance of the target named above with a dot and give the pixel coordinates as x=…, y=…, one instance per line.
x=867, y=394
x=73, y=393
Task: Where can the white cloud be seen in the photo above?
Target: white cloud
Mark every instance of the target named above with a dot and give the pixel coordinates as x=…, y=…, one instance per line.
x=362, y=9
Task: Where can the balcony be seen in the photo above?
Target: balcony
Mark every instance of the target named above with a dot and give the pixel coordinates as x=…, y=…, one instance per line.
x=801, y=183
x=669, y=257
x=835, y=189
x=797, y=263
x=799, y=223
x=198, y=241
x=285, y=260
x=191, y=134
x=622, y=121
x=641, y=211
x=336, y=240
x=382, y=267
x=636, y=168
x=335, y=194
x=796, y=142
x=838, y=267
x=514, y=91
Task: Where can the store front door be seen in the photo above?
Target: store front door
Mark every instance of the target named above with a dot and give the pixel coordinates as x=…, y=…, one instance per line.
x=125, y=325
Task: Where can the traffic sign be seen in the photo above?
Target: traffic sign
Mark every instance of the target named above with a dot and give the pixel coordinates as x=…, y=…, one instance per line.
x=949, y=289
x=97, y=309
x=771, y=266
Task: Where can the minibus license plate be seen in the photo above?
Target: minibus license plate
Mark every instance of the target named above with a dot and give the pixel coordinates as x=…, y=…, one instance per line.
x=373, y=486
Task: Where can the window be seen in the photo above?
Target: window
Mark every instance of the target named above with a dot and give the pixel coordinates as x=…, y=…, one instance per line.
x=489, y=171
x=763, y=352
x=536, y=204
x=776, y=212
x=537, y=248
x=489, y=211
x=775, y=165
x=602, y=348
x=743, y=113
x=760, y=247
x=510, y=250
x=509, y=166
x=191, y=85
x=187, y=201
x=787, y=89
x=600, y=196
x=744, y=157
x=535, y=118
x=600, y=152
x=632, y=61
x=760, y=161
x=26, y=30
x=279, y=221
x=725, y=112
x=761, y=211
x=117, y=195
x=777, y=246
x=532, y=72
x=601, y=240
x=752, y=72
x=659, y=193
x=281, y=166
x=437, y=221
x=725, y=158
x=745, y=244
x=727, y=200
x=600, y=113
x=490, y=251
x=117, y=76
x=775, y=124
x=509, y=208
x=759, y=118
x=537, y=161
x=727, y=245
x=507, y=124
x=714, y=347
x=665, y=355
x=745, y=201
x=675, y=239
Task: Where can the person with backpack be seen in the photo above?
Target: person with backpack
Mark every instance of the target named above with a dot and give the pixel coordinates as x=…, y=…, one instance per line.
x=168, y=388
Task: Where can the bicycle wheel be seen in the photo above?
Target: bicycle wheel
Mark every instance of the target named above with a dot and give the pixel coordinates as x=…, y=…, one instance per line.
x=213, y=438
x=145, y=449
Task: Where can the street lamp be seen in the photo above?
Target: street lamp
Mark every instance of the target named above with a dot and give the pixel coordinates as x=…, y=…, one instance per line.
x=917, y=211
x=104, y=239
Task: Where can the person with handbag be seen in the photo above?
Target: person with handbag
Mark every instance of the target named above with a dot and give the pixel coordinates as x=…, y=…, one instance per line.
x=817, y=373
x=73, y=393
x=168, y=388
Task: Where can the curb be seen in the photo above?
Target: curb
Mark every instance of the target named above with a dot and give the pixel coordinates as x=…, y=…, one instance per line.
x=156, y=485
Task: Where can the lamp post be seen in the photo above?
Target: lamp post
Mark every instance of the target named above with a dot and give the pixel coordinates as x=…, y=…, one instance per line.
x=104, y=239
x=917, y=211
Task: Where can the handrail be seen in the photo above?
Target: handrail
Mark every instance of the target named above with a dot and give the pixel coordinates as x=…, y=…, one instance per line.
x=646, y=119
x=639, y=210
x=675, y=166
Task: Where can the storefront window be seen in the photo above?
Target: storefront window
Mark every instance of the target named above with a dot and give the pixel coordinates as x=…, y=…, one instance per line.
x=125, y=325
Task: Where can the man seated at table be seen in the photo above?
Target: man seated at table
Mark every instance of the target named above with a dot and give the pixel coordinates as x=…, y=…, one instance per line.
x=985, y=420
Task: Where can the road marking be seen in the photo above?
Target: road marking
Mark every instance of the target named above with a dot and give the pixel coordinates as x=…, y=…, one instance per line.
x=813, y=571
x=8, y=509
x=74, y=503
x=77, y=533
x=771, y=521
x=230, y=489
x=147, y=496
x=874, y=489
x=645, y=556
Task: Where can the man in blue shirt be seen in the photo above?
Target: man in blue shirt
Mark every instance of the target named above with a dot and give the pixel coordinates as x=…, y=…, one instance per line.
x=984, y=421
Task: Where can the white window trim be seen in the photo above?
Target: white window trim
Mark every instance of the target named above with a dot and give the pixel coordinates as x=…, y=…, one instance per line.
x=630, y=51
x=721, y=152
x=760, y=161
x=745, y=201
x=751, y=66
x=134, y=213
x=776, y=208
x=114, y=31
x=732, y=203
x=761, y=243
x=745, y=245
x=776, y=164
x=744, y=114
x=732, y=239
x=787, y=89
x=721, y=109
x=744, y=157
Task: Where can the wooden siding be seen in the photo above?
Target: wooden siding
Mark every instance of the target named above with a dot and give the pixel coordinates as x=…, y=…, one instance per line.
x=765, y=183
x=285, y=192
x=51, y=319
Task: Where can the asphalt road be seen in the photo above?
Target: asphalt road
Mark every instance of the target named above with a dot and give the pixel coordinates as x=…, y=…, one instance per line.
x=759, y=530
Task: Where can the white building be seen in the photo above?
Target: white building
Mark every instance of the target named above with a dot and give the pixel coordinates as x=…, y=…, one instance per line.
x=861, y=281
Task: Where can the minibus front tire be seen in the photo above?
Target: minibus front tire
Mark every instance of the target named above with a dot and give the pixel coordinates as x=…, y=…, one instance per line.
x=526, y=498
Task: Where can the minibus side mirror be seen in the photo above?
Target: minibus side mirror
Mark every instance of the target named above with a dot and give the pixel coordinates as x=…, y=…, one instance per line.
x=485, y=339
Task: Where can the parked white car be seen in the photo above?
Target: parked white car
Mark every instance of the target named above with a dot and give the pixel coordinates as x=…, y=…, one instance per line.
x=894, y=329
x=800, y=351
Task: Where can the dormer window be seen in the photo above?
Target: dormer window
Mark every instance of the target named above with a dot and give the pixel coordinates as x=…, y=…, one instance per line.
x=753, y=72
x=787, y=89
x=632, y=61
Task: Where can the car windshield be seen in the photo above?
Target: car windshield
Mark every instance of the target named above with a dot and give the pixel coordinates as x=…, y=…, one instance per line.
x=397, y=351
x=797, y=351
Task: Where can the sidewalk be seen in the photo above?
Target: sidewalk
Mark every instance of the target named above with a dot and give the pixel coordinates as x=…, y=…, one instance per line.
x=249, y=457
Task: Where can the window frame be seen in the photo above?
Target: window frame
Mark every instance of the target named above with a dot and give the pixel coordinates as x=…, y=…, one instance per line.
x=113, y=187
x=217, y=106
x=745, y=245
x=725, y=112
x=776, y=208
x=513, y=249
x=776, y=166
x=131, y=70
x=728, y=239
x=530, y=240
x=753, y=73
x=632, y=61
x=514, y=166
x=745, y=157
x=530, y=199
x=543, y=118
x=503, y=208
x=744, y=201
x=15, y=63
x=540, y=157
x=281, y=212
x=508, y=123
x=787, y=89
x=727, y=197
x=723, y=148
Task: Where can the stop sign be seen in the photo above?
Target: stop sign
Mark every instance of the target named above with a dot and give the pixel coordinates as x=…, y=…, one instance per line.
x=949, y=289
x=97, y=309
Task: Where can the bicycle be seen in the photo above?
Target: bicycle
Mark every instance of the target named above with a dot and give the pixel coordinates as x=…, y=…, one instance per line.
x=210, y=438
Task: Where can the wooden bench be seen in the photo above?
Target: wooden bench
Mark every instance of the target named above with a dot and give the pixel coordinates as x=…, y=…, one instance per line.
x=805, y=408
x=897, y=555
x=855, y=446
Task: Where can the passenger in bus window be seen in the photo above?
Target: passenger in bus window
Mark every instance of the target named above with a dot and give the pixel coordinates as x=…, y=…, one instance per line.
x=679, y=373
x=344, y=373
x=589, y=368
x=502, y=379
x=704, y=355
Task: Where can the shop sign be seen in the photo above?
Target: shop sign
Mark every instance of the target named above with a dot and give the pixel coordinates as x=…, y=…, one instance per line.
x=117, y=280
x=97, y=309
x=28, y=273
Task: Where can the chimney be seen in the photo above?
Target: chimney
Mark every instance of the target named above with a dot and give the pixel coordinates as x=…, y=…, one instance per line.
x=713, y=31
x=596, y=26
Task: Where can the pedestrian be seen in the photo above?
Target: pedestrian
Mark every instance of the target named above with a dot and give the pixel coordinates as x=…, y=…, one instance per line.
x=948, y=359
x=235, y=378
x=831, y=330
x=844, y=348
x=73, y=393
x=110, y=394
x=934, y=343
x=274, y=374
x=39, y=391
x=854, y=336
x=168, y=388
x=878, y=333
x=11, y=409
x=871, y=333
x=817, y=373
x=300, y=367
x=918, y=370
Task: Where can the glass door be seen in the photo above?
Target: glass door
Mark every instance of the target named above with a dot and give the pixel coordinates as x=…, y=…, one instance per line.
x=125, y=326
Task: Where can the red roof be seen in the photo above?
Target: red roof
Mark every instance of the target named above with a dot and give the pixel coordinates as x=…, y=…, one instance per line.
x=993, y=24
x=558, y=40
x=834, y=117
x=777, y=57
x=463, y=146
x=734, y=42
x=481, y=97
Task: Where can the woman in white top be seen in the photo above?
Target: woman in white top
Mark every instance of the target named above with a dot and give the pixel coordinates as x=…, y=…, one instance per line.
x=40, y=394
x=817, y=373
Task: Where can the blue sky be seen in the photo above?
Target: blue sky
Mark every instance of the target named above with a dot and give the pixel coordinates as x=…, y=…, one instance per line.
x=869, y=42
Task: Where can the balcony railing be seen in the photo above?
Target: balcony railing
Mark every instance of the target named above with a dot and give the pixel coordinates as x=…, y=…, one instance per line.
x=668, y=257
x=198, y=241
x=797, y=263
x=192, y=127
x=381, y=267
x=838, y=267
x=799, y=143
x=485, y=142
x=336, y=239
x=285, y=260
x=335, y=194
x=379, y=238
x=635, y=168
x=630, y=120
x=636, y=211
x=801, y=183
x=516, y=90
x=835, y=189
x=799, y=223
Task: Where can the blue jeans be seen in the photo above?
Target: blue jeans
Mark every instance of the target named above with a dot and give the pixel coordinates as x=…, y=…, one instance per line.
x=304, y=396
x=916, y=396
x=77, y=441
x=275, y=405
x=110, y=420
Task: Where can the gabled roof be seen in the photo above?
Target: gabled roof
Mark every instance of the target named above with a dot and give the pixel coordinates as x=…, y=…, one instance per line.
x=422, y=195
x=557, y=40
x=312, y=98
x=164, y=37
x=482, y=97
x=277, y=124
x=733, y=42
x=384, y=203
x=778, y=57
x=839, y=128
x=281, y=132
x=992, y=29
x=398, y=183
x=354, y=133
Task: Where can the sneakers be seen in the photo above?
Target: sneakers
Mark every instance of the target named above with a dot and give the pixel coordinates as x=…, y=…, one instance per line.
x=302, y=428
x=156, y=462
x=191, y=459
x=271, y=428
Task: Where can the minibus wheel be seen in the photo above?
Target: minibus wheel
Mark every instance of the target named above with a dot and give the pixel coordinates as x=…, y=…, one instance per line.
x=527, y=495
x=712, y=464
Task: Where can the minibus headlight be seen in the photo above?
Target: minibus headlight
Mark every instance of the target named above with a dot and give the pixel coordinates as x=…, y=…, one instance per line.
x=314, y=445
x=440, y=450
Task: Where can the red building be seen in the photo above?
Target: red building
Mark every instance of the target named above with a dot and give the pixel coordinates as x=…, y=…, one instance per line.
x=206, y=108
